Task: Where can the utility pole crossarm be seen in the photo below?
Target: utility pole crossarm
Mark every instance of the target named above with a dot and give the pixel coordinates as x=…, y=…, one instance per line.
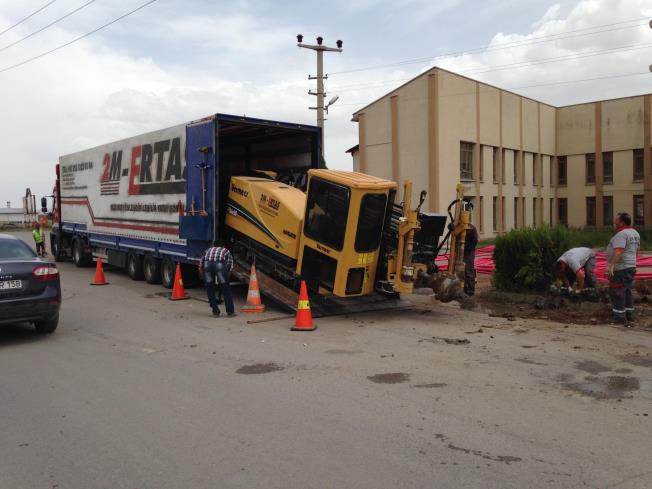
x=317, y=47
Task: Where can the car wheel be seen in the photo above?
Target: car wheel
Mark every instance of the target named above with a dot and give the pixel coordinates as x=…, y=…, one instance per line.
x=152, y=269
x=47, y=326
x=135, y=266
x=167, y=273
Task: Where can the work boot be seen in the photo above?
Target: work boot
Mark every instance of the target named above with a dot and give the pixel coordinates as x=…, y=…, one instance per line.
x=216, y=314
x=231, y=315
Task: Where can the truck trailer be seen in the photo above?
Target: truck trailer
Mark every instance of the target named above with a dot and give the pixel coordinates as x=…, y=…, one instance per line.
x=151, y=201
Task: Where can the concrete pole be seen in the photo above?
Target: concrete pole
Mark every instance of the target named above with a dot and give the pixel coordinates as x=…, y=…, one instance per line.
x=320, y=93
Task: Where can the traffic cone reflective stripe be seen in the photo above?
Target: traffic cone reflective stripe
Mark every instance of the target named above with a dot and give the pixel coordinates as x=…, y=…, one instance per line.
x=99, y=274
x=178, y=292
x=304, y=320
x=254, y=304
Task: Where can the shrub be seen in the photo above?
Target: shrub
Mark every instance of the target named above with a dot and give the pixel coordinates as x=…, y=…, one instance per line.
x=524, y=257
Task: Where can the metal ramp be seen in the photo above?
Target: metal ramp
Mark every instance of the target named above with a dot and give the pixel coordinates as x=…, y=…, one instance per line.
x=321, y=306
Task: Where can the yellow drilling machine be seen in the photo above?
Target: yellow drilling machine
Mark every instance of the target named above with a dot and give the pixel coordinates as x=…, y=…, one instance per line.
x=355, y=247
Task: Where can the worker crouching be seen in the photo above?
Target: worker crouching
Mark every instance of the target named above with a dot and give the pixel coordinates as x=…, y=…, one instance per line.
x=216, y=265
x=576, y=268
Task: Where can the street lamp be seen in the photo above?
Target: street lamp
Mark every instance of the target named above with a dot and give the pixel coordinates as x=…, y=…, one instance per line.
x=331, y=102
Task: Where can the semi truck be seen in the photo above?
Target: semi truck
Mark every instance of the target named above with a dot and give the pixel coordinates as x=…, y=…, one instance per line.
x=151, y=201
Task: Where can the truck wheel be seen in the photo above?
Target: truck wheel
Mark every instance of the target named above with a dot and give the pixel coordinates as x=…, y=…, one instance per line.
x=79, y=257
x=167, y=273
x=57, y=252
x=135, y=266
x=152, y=269
x=47, y=326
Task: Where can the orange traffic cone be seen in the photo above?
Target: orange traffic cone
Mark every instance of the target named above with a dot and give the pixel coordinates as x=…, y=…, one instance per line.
x=99, y=274
x=254, y=304
x=304, y=316
x=178, y=292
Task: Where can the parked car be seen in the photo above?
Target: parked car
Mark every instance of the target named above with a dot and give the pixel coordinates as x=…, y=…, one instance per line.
x=30, y=290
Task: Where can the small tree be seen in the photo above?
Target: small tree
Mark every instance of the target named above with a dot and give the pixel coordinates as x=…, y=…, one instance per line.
x=524, y=257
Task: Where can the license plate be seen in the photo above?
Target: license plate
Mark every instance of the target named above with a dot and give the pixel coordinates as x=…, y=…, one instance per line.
x=11, y=285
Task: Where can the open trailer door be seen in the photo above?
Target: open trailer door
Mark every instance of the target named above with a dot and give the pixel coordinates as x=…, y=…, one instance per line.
x=199, y=225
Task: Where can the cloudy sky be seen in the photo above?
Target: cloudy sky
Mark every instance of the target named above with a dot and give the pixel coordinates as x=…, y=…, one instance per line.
x=177, y=60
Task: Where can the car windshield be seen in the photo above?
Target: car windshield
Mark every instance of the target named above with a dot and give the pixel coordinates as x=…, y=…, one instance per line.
x=11, y=249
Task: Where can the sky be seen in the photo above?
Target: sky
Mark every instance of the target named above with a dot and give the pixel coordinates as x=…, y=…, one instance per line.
x=177, y=60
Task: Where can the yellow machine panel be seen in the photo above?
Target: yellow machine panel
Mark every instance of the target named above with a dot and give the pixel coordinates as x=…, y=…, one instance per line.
x=268, y=212
x=345, y=215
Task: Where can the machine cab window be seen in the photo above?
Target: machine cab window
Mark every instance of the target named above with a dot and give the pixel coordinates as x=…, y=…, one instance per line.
x=370, y=223
x=326, y=213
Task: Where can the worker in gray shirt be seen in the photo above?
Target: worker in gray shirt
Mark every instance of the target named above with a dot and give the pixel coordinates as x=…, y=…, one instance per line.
x=621, y=268
x=575, y=267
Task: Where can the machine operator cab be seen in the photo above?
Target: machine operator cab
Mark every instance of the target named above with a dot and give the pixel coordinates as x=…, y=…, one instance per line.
x=342, y=231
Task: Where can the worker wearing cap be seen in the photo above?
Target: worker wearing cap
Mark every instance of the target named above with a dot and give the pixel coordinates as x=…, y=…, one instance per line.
x=217, y=263
x=39, y=239
x=621, y=268
x=576, y=268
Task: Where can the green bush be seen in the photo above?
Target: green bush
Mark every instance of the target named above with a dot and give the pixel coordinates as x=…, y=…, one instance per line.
x=524, y=257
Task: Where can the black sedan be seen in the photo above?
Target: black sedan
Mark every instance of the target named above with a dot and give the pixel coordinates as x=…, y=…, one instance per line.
x=29, y=286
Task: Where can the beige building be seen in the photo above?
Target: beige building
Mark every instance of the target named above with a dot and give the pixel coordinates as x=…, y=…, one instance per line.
x=524, y=162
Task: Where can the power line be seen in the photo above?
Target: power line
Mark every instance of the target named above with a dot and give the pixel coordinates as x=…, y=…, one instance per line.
x=47, y=26
x=547, y=84
x=489, y=69
x=507, y=45
x=33, y=58
x=29, y=16
x=568, y=57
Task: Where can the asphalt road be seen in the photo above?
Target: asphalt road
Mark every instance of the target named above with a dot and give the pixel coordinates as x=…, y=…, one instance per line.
x=134, y=391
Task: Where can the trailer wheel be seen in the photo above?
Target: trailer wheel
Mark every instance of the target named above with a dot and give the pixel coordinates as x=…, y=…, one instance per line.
x=152, y=269
x=167, y=273
x=79, y=256
x=135, y=266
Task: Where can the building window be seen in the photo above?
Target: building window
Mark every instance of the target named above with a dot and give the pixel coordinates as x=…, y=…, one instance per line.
x=535, y=170
x=638, y=165
x=502, y=212
x=516, y=212
x=607, y=210
x=561, y=170
x=517, y=173
x=590, y=211
x=639, y=209
x=590, y=168
x=562, y=211
x=503, y=173
x=495, y=214
x=552, y=172
x=496, y=166
x=466, y=161
x=608, y=167
x=551, y=214
x=534, y=212
x=481, y=169
x=481, y=214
